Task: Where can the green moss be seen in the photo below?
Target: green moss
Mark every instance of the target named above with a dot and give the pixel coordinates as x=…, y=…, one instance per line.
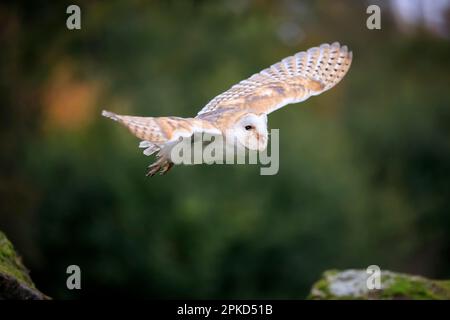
x=11, y=264
x=444, y=285
x=350, y=284
x=418, y=288
x=330, y=273
x=321, y=289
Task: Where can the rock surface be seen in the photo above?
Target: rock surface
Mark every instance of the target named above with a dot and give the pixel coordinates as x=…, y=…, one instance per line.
x=15, y=282
x=352, y=284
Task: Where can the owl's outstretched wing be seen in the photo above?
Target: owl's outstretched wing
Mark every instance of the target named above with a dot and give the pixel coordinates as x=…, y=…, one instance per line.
x=157, y=132
x=160, y=134
x=292, y=80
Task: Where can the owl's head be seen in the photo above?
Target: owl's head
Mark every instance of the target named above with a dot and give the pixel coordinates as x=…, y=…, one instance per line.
x=250, y=131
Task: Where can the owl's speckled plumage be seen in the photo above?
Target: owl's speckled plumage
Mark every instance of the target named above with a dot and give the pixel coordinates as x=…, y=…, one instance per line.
x=292, y=80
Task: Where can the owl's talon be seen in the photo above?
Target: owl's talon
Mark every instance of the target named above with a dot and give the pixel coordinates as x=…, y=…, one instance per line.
x=166, y=167
x=152, y=170
x=162, y=166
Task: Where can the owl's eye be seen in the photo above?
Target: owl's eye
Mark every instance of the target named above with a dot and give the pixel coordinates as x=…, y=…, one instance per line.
x=248, y=128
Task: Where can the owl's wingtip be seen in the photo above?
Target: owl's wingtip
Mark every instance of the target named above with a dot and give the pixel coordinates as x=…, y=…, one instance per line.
x=110, y=115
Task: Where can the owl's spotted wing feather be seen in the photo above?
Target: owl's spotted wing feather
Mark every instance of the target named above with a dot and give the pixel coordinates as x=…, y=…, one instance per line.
x=160, y=130
x=292, y=80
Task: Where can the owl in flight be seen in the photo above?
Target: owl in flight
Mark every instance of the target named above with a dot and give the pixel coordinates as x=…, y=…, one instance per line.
x=240, y=114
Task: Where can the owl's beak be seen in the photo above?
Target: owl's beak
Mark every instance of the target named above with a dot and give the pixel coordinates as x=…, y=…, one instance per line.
x=262, y=142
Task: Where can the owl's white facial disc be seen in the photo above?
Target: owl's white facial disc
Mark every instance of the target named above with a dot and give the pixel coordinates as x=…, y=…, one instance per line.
x=251, y=131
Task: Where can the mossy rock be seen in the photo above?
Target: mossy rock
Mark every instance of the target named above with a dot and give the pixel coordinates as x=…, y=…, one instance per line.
x=352, y=284
x=15, y=282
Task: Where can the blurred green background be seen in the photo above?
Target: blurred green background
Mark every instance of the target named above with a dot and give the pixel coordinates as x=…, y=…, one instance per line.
x=364, y=168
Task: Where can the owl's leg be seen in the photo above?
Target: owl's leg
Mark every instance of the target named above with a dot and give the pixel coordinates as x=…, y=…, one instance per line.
x=162, y=166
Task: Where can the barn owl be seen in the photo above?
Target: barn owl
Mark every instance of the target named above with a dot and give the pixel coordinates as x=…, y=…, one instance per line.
x=240, y=113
